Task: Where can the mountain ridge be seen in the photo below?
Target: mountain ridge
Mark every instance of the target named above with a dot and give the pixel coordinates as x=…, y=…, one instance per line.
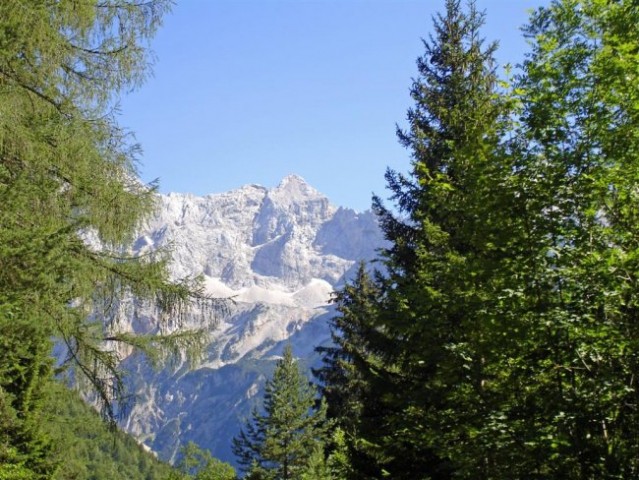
x=279, y=253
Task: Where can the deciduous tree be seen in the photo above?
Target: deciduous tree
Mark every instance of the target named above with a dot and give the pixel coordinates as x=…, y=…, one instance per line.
x=572, y=402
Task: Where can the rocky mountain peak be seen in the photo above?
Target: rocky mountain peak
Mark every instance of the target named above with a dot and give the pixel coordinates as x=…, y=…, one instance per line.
x=296, y=188
x=279, y=253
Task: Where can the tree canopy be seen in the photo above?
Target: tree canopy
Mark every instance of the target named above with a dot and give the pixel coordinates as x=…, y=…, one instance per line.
x=499, y=338
x=507, y=297
x=71, y=202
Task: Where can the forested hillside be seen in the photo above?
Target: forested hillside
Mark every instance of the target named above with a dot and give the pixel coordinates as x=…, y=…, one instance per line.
x=85, y=448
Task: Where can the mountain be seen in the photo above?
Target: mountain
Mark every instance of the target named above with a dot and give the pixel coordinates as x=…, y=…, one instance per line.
x=279, y=253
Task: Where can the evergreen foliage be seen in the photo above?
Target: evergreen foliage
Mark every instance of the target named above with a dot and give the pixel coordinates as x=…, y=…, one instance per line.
x=70, y=203
x=348, y=374
x=25, y=370
x=84, y=448
x=500, y=340
x=425, y=328
x=508, y=300
x=280, y=443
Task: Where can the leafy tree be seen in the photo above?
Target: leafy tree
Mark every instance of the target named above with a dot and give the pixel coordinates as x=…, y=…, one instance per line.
x=571, y=397
x=279, y=443
x=70, y=204
x=198, y=464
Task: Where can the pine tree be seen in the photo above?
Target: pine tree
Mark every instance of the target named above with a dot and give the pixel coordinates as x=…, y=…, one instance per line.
x=279, y=443
x=70, y=203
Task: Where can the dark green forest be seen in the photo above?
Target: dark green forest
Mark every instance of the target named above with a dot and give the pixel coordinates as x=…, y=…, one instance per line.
x=496, y=336
x=84, y=446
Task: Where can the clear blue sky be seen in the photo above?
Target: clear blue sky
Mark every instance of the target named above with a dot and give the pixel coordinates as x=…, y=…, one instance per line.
x=248, y=91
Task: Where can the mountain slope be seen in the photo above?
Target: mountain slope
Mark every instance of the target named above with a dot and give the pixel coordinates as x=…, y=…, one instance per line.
x=279, y=253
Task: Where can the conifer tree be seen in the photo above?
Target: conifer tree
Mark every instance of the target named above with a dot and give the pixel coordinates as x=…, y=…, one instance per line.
x=280, y=442
x=347, y=376
x=70, y=203
x=446, y=239
x=25, y=370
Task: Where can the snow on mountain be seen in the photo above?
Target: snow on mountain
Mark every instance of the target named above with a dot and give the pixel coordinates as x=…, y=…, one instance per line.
x=279, y=253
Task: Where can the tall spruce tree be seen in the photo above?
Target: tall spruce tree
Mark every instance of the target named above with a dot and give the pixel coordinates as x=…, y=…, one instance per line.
x=70, y=202
x=447, y=235
x=281, y=442
x=347, y=375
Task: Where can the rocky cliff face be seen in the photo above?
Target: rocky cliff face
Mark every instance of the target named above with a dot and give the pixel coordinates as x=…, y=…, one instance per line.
x=279, y=253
